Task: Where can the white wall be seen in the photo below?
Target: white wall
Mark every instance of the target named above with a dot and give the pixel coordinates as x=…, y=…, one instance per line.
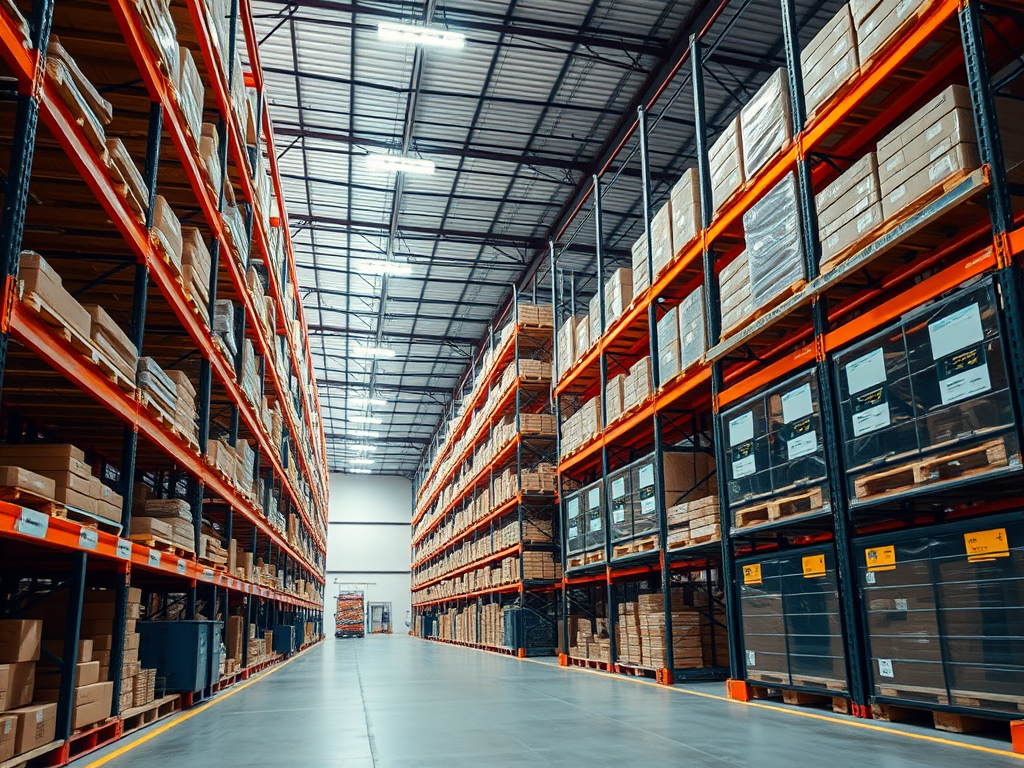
x=368, y=540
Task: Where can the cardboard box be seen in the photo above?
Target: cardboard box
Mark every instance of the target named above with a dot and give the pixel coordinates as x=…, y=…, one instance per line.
x=961, y=158
x=20, y=640
x=641, y=278
x=725, y=161
x=668, y=344
x=766, y=123
x=693, y=337
x=594, y=315
x=618, y=293
x=686, y=210
x=734, y=290
x=37, y=725
x=662, y=247
x=41, y=453
x=17, y=684
x=849, y=208
x=92, y=703
x=152, y=526
x=8, y=736
x=16, y=477
x=877, y=21
x=167, y=230
x=41, y=279
x=829, y=60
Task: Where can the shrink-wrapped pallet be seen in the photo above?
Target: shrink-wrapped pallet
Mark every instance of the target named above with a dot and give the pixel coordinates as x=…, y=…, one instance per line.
x=195, y=270
x=90, y=109
x=877, y=20
x=112, y=342
x=167, y=232
x=766, y=123
x=849, y=208
x=734, y=292
x=161, y=35
x=209, y=152
x=190, y=94
x=686, y=210
x=126, y=176
x=224, y=324
x=693, y=338
x=668, y=344
x=774, y=240
x=158, y=384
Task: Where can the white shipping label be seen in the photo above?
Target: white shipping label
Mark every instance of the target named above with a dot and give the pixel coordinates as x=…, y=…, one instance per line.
x=869, y=577
x=32, y=523
x=182, y=567
x=207, y=574
x=741, y=429
x=154, y=558
x=933, y=131
x=942, y=168
x=803, y=445
x=901, y=603
x=647, y=506
x=618, y=487
x=594, y=498
x=751, y=658
x=866, y=371
x=572, y=506
x=124, y=549
x=646, y=476
x=88, y=538
x=574, y=528
x=869, y=219
x=956, y=331
x=871, y=419
x=885, y=668
x=595, y=523
x=796, y=404
x=967, y=384
x=619, y=515
x=743, y=467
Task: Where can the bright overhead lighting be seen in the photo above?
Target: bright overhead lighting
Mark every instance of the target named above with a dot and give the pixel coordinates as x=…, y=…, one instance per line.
x=413, y=34
x=361, y=448
x=361, y=461
x=357, y=471
x=366, y=419
x=392, y=268
x=364, y=350
x=399, y=164
x=363, y=433
x=367, y=401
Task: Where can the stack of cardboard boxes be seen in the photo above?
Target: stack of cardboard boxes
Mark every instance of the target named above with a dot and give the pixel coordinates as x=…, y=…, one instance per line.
x=166, y=520
x=725, y=161
x=166, y=233
x=185, y=404
x=112, y=343
x=581, y=426
x=766, y=124
x=694, y=522
x=158, y=388
x=636, y=387
x=734, y=293
x=42, y=286
x=195, y=266
x=829, y=60
x=26, y=722
x=849, y=209
x=74, y=484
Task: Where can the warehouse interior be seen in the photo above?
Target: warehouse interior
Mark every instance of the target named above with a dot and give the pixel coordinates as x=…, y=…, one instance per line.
x=611, y=373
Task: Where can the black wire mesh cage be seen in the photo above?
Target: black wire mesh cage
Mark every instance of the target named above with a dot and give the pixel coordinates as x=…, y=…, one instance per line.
x=944, y=613
x=792, y=632
x=926, y=403
x=775, y=454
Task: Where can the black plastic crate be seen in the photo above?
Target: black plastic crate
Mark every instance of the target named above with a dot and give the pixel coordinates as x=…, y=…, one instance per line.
x=621, y=501
x=944, y=612
x=575, y=522
x=925, y=404
x=792, y=634
x=593, y=510
x=776, y=455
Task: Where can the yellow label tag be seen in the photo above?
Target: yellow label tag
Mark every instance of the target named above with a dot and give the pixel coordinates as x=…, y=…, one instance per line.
x=881, y=558
x=752, y=574
x=814, y=566
x=984, y=545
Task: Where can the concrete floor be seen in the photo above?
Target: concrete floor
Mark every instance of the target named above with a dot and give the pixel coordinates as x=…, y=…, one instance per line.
x=391, y=702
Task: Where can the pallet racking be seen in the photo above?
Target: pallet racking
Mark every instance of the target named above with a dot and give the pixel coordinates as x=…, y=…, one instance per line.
x=812, y=543
x=104, y=235
x=485, y=548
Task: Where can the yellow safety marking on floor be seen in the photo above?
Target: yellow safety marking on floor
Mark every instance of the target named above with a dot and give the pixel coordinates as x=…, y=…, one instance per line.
x=853, y=722
x=192, y=713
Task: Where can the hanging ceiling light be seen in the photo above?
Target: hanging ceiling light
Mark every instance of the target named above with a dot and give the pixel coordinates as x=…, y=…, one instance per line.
x=399, y=164
x=362, y=433
x=413, y=34
x=358, y=471
x=366, y=419
x=366, y=350
x=390, y=268
x=362, y=461
x=367, y=401
x=361, y=447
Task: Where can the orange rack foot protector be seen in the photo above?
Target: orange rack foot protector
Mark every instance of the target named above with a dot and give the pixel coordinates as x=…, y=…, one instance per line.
x=738, y=690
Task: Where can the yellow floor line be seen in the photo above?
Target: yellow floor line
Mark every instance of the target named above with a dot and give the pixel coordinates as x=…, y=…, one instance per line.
x=852, y=722
x=191, y=713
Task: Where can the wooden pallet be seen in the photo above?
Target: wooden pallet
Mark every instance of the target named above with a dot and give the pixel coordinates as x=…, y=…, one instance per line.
x=969, y=462
x=139, y=717
x=594, y=557
x=778, y=508
x=29, y=499
x=90, y=521
x=155, y=542
x=693, y=542
x=764, y=309
x=62, y=327
x=647, y=544
x=992, y=701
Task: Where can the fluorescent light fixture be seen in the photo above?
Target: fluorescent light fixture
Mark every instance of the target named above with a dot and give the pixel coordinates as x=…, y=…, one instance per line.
x=361, y=448
x=413, y=34
x=399, y=164
x=367, y=401
x=392, y=268
x=366, y=419
x=358, y=471
x=365, y=350
x=363, y=433
x=361, y=461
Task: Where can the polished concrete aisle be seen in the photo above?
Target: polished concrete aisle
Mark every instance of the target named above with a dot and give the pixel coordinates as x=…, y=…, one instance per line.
x=392, y=702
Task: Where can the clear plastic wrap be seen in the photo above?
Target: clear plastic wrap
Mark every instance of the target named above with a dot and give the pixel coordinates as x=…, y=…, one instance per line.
x=638, y=259
x=774, y=238
x=161, y=34
x=926, y=402
x=766, y=123
x=209, y=144
x=167, y=230
x=789, y=611
x=594, y=535
x=190, y=94
x=734, y=292
x=877, y=21
x=829, y=60
x=942, y=623
x=693, y=338
x=662, y=248
x=224, y=323
x=235, y=222
x=849, y=208
x=620, y=504
x=668, y=345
